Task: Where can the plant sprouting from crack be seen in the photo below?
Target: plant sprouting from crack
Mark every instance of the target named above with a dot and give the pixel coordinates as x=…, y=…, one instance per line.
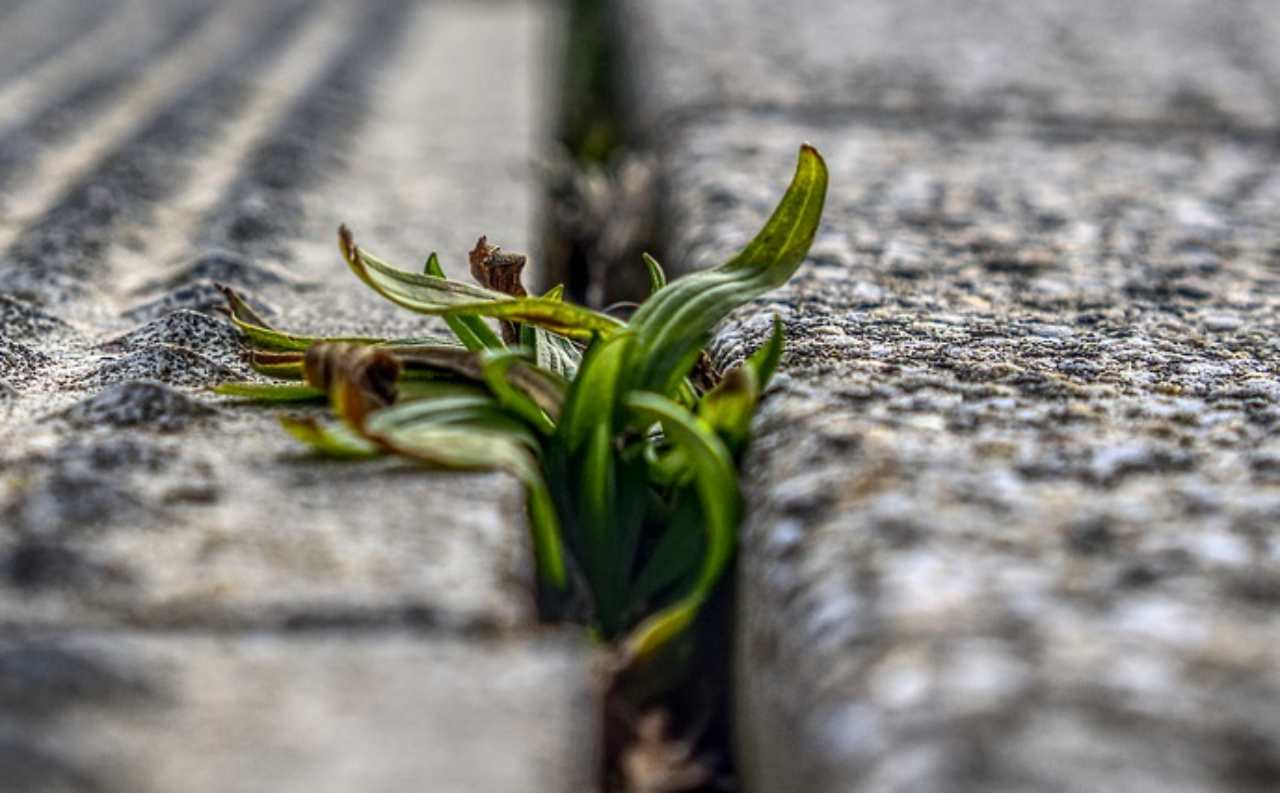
x=626, y=451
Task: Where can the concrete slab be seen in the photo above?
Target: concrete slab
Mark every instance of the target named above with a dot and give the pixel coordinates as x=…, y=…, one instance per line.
x=228, y=149
x=382, y=712
x=110, y=340
x=1011, y=500
x=1187, y=62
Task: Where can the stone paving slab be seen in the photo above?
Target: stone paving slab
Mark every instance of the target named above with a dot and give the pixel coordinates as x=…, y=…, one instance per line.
x=168, y=529
x=1192, y=62
x=109, y=346
x=262, y=713
x=1012, y=498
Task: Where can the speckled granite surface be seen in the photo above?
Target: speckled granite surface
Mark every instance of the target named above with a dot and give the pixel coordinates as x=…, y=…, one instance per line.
x=188, y=600
x=1014, y=496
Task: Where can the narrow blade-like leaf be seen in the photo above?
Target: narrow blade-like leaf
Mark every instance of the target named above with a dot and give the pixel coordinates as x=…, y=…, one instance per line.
x=593, y=393
x=478, y=412
x=497, y=368
x=271, y=392
x=330, y=439
x=657, y=278
x=473, y=332
x=716, y=485
x=566, y=319
x=679, y=317
x=428, y=294
x=675, y=558
x=597, y=493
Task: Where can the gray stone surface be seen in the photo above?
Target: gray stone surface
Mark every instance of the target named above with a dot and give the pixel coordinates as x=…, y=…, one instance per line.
x=378, y=712
x=143, y=519
x=1013, y=496
x=1198, y=63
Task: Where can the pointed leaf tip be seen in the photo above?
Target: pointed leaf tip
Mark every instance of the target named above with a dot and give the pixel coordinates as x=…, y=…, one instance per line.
x=677, y=320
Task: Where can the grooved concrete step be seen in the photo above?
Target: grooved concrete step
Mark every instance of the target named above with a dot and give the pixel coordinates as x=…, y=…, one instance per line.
x=1013, y=497
x=158, y=147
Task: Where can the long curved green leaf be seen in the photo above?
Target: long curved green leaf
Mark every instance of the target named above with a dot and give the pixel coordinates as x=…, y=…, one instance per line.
x=566, y=319
x=271, y=392
x=332, y=439
x=427, y=294
x=270, y=339
x=287, y=365
x=594, y=392
x=680, y=316
x=481, y=413
x=545, y=388
x=266, y=337
x=597, y=503
x=498, y=368
x=716, y=484
x=676, y=555
x=657, y=278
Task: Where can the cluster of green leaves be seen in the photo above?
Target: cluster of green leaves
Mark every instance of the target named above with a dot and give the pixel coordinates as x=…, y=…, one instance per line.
x=629, y=467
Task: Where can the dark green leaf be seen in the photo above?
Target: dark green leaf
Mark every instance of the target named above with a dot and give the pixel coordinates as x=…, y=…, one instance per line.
x=498, y=369
x=597, y=492
x=675, y=558
x=593, y=393
x=716, y=484
x=473, y=332
x=679, y=317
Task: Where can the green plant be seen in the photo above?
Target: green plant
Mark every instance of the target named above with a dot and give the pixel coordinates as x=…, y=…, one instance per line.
x=628, y=463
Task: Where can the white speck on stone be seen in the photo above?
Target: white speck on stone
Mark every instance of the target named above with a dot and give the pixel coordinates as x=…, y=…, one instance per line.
x=1221, y=322
x=901, y=680
x=1163, y=620
x=1050, y=331
x=982, y=673
x=851, y=730
x=1221, y=548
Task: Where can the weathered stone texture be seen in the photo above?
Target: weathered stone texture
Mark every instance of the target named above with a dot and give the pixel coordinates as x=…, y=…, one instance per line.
x=1013, y=496
x=1012, y=500
x=187, y=539
x=378, y=712
x=1193, y=62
